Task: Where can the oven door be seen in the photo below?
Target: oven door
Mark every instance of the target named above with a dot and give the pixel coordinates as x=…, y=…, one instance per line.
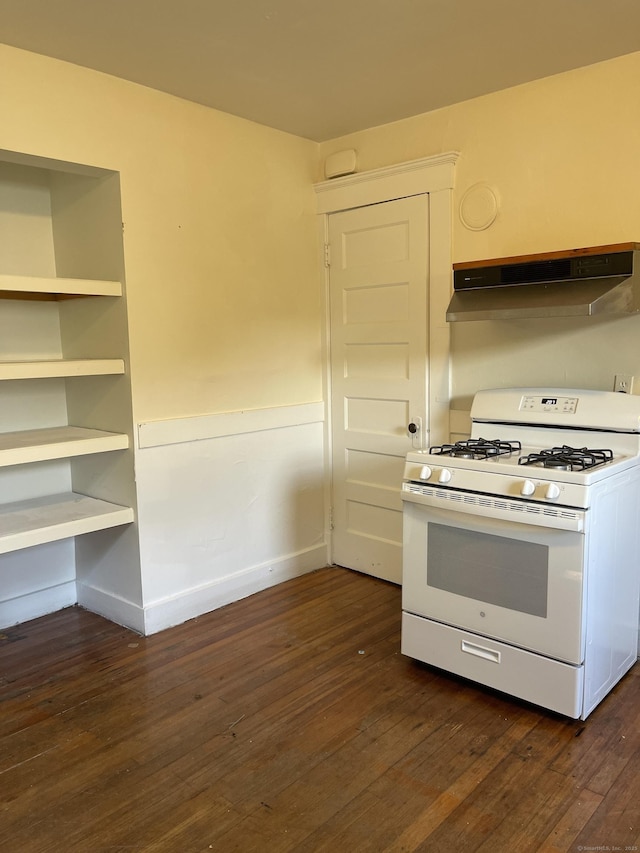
x=480, y=566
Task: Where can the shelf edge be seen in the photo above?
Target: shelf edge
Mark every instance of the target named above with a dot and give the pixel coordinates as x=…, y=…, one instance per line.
x=54, y=287
x=60, y=368
x=104, y=516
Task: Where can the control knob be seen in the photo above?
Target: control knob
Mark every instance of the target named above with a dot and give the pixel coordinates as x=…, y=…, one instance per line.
x=425, y=472
x=445, y=476
x=553, y=491
x=528, y=488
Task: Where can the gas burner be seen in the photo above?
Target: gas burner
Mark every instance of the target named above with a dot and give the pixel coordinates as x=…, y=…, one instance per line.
x=568, y=458
x=477, y=448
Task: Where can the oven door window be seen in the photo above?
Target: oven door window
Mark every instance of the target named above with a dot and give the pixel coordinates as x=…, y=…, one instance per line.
x=493, y=569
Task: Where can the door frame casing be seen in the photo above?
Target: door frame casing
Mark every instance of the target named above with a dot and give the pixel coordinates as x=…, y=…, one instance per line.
x=433, y=176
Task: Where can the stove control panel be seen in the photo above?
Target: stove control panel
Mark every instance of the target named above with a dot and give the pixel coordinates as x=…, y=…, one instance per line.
x=559, y=405
x=546, y=491
x=425, y=473
x=527, y=490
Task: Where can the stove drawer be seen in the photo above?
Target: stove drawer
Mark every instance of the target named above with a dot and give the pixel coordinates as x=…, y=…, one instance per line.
x=534, y=678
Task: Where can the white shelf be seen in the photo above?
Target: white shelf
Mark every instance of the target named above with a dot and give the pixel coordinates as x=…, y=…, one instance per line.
x=59, y=368
x=39, y=445
x=53, y=288
x=64, y=338
x=56, y=517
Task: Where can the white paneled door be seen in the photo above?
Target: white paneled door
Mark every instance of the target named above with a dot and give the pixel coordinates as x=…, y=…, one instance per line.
x=378, y=291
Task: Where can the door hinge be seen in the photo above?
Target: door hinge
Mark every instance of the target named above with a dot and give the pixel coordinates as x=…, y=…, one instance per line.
x=327, y=255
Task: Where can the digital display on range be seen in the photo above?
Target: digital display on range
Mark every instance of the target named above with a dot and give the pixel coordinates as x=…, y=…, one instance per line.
x=559, y=405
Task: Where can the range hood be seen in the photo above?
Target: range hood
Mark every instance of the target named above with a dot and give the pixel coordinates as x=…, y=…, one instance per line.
x=575, y=283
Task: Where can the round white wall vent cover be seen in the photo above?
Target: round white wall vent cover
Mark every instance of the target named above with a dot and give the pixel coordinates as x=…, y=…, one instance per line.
x=479, y=207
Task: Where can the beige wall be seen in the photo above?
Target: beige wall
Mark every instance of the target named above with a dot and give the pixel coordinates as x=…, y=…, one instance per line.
x=219, y=230
x=562, y=154
x=220, y=242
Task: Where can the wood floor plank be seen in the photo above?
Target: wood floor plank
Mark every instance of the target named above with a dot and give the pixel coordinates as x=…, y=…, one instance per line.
x=450, y=792
x=290, y=721
x=616, y=821
x=562, y=835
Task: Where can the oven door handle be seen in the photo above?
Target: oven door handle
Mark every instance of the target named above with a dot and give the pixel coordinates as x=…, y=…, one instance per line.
x=491, y=506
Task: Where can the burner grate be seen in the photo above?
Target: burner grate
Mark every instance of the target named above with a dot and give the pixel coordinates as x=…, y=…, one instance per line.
x=568, y=458
x=477, y=448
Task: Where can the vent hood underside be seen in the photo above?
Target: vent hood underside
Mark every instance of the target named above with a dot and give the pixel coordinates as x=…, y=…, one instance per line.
x=576, y=283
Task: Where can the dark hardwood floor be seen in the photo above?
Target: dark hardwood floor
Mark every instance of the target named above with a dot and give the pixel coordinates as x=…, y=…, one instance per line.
x=290, y=721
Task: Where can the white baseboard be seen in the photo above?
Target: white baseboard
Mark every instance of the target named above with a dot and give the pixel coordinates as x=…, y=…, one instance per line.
x=32, y=605
x=112, y=607
x=194, y=602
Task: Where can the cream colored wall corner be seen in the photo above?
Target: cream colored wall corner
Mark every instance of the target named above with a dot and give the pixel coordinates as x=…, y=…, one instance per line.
x=218, y=213
x=560, y=154
x=560, y=151
x=224, y=309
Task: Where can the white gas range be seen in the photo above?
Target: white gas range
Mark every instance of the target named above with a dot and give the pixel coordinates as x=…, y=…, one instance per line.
x=521, y=546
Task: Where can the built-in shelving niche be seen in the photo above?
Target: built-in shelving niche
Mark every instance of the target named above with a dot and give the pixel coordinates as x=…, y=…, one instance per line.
x=67, y=489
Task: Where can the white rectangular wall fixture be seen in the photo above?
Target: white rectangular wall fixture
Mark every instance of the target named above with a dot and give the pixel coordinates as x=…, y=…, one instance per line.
x=341, y=163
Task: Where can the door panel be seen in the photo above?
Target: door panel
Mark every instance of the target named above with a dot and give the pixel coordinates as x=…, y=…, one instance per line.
x=376, y=361
x=382, y=304
x=378, y=293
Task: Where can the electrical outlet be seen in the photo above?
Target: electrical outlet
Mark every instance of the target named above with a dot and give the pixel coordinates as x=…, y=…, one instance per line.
x=623, y=383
